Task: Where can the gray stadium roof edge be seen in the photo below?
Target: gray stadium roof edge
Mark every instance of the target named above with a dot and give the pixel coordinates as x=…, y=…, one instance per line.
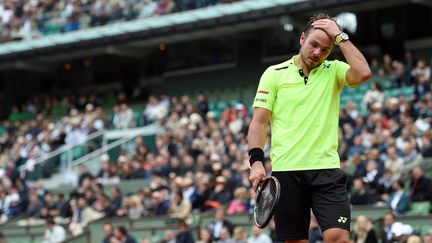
x=128, y=38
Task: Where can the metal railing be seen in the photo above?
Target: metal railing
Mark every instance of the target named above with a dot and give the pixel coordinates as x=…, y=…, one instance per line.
x=122, y=137
x=68, y=148
x=65, y=160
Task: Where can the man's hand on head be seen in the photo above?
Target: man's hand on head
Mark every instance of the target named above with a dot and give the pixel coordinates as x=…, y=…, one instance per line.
x=329, y=26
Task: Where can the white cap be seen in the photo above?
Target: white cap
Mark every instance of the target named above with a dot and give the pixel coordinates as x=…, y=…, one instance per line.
x=400, y=229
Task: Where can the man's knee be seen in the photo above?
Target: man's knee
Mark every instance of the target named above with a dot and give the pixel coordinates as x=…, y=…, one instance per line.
x=336, y=235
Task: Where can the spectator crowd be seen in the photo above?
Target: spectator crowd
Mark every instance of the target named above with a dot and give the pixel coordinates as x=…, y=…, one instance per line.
x=26, y=20
x=200, y=163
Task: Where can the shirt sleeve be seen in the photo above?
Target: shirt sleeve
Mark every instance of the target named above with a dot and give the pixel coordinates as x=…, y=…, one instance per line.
x=266, y=93
x=341, y=70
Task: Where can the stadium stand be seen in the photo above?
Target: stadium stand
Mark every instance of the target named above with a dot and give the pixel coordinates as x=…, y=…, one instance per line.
x=26, y=20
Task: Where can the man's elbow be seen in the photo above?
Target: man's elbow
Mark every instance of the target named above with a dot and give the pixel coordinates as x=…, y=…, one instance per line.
x=364, y=75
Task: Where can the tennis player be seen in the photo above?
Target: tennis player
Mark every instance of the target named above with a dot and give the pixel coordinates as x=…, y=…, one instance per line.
x=300, y=97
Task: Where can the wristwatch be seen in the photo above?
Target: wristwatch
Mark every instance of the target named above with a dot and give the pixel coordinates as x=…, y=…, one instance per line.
x=341, y=37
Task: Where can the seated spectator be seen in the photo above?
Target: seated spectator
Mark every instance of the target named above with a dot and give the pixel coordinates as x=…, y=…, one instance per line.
x=356, y=148
x=153, y=110
x=50, y=205
x=385, y=183
x=372, y=174
x=54, y=233
x=12, y=203
x=375, y=66
x=258, y=236
x=420, y=186
x=220, y=195
x=83, y=173
x=125, y=117
x=82, y=216
x=189, y=189
x=184, y=234
x=398, y=200
x=205, y=236
x=411, y=157
x=240, y=203
x=105, y=207
x=202, y=194
x=406, y=138
x=239, y=235
x=225, y=236
x=121, y=236
x=108, y=231
x=426, y=149
x=423, y=124
x=34, y=206
x=89, y=195
x=393, y=231
x=402, y=77
x=394, y=163
x=219, y=223
x=160, y=203
x=363, y=231
x=355, y=166
x=422, y=69
x=388, y=231
x=116, y=198
x=387, y=67
x=137, y=170
x=63, y=206
x=132, y=207
x=361, y=194
x=421, y=87
x=427, y=238
x=170, y=237
x=113, y=177
x=202, y=105
x=373, y=95
x=402, y=232
x=414, y=239
x=105, y=169
x=180, y=208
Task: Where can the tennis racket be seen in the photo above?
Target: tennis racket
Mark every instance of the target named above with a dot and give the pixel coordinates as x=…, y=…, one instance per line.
x=267, y=197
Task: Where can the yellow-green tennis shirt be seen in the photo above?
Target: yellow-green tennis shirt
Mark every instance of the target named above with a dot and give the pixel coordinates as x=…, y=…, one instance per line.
x=304, y=117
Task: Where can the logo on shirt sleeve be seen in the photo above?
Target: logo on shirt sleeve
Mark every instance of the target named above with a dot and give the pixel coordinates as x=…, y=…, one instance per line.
x=261, y=100
x=262, y=92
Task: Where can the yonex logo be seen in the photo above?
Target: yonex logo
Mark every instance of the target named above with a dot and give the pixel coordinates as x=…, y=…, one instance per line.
x=261, y=100
x=342, y=219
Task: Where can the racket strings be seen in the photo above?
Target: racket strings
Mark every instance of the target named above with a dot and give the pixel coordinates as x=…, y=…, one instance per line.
x=266, y=202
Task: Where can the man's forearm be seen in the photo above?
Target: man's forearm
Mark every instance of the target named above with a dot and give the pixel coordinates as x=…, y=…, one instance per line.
x=358, y=65
x=257, y=135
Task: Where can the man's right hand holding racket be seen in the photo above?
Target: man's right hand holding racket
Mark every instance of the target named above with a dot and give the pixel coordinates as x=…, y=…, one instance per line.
x=257, y=174
x=256, y=140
